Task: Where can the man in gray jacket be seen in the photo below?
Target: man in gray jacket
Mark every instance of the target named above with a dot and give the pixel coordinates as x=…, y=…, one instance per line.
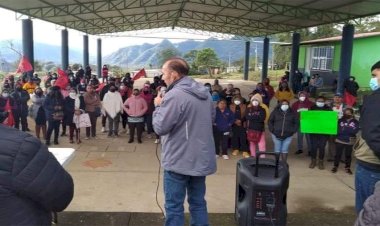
x=183, y=119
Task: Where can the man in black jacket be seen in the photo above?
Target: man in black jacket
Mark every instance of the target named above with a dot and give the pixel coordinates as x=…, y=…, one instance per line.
x=367, y=150
x=21, y=98
x=32, y=182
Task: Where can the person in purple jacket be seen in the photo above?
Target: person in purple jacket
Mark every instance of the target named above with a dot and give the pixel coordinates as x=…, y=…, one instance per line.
x=224, y=119
x=348, y=127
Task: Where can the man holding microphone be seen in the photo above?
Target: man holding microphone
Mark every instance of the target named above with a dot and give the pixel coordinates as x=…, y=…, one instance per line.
x=183, y=118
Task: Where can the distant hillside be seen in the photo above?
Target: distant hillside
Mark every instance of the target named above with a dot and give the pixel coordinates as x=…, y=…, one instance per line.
x=146, y=54
x=42, y=52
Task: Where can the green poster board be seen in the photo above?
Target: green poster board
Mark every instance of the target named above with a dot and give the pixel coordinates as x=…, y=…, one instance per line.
x=320, y=122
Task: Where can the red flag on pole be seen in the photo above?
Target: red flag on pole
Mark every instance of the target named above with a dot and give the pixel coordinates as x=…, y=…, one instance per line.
x=139, y=74
x=9, y=121
x=24, y=65
x=62, y=80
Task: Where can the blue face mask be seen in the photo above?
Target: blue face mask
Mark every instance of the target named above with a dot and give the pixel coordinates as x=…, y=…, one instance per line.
x=373, y=84
x=215, y=97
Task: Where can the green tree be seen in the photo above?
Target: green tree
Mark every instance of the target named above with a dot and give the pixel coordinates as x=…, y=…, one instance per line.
x=207, y=58
x=165, y=54
x=190, y=59
x=75, y=67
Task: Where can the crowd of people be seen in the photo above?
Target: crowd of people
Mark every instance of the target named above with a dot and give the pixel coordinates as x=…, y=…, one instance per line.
x=55, y=107
x=240, y=123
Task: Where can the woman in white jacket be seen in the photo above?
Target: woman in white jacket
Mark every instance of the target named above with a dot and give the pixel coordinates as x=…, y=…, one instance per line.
x=112, y=108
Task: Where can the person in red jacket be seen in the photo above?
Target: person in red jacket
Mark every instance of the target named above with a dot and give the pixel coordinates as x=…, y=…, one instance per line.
x=105, y=74
x=303, y=104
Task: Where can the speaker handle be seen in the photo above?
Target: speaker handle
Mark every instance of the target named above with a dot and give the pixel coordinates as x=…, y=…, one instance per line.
x=277, y=156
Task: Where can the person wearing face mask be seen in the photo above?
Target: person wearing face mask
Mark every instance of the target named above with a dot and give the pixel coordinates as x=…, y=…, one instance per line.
x=215, y=96
x=268, y=88
x=30, y=86
x=337, y=106
x=284, y=92
x=111, y=82
x=208, y=86
x=146, y=94
x=71, y=105
x=112, y=108
x=81, y=87
x=125, y=93
x=7, y=108
x=303, y=104
x=367, y=148
x=224, y=119
x=283, y=123
x=228, y=93
x=255, y=116
x=21, y=98
x=91, y=102
x=239, y=138
x=348, y=127
x=264, y=94
x=136, y=107
x=237, y=93
x=38, y=112
x=318, y=141
x=351, y=88
x=54, y=111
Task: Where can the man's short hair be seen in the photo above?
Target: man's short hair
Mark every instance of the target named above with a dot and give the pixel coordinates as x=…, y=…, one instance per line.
x=376, y=66
x=178, y=65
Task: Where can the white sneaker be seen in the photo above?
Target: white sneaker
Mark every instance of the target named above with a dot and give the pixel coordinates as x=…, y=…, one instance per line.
x=157, y=141
x=103, y=130
x=217, y=156
x=225, y=157
x=123, y=131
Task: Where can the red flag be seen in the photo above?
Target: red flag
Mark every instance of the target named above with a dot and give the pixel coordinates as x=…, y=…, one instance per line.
x=24, y=65
x=9, y=121
x=62, y=80
x=100, y=87
x=139, y=74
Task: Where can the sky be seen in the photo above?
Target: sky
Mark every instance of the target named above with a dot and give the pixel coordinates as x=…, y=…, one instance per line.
x=49, y=33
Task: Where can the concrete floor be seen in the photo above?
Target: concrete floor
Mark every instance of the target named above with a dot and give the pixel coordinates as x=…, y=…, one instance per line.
x=111, y=175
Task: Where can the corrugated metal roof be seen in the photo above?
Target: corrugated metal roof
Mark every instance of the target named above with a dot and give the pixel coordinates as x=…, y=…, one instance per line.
x=238, y=17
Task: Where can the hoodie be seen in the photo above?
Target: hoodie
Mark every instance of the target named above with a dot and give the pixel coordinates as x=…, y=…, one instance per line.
x=305, y=105
x=283, y=124
x=184, y=122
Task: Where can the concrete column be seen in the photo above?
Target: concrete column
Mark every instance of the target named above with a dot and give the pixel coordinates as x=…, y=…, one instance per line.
x=246, y=60
x=294, y=57
x=264, y=70
x=345, y=56
x=65, y=49
x=27, y=42
x=85, y=51
x=99, y=57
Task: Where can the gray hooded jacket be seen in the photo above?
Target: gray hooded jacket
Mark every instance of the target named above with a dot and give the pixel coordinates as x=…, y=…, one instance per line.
x=184, y=122
x=370, y=214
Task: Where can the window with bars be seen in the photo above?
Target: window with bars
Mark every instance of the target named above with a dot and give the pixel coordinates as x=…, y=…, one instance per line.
x=322, y=58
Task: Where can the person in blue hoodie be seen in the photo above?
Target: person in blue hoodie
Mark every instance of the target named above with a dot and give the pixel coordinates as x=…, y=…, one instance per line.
x=224, y=119
x=183, y=118
x=348, y=127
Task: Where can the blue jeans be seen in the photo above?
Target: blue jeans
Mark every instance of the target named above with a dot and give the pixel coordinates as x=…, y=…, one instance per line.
x=365, y=181
x=175, y=187
x=300, y=140
x=281, y=145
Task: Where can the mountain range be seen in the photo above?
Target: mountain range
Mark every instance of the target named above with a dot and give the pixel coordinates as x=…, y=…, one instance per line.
x=137, y=56
x=147, y=55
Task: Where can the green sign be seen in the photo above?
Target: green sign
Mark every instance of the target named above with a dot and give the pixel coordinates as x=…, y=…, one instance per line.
x=319, y=122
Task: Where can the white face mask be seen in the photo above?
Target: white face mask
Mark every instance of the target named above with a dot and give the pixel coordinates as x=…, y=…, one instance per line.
x=302, y=98
x=72, y=95
x=5, y=95
x=255, y=103
x=237, y=102
x=284, y=107
x=320, y=104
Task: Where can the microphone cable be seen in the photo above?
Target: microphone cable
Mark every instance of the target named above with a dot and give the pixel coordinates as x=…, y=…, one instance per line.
x=158, y=180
